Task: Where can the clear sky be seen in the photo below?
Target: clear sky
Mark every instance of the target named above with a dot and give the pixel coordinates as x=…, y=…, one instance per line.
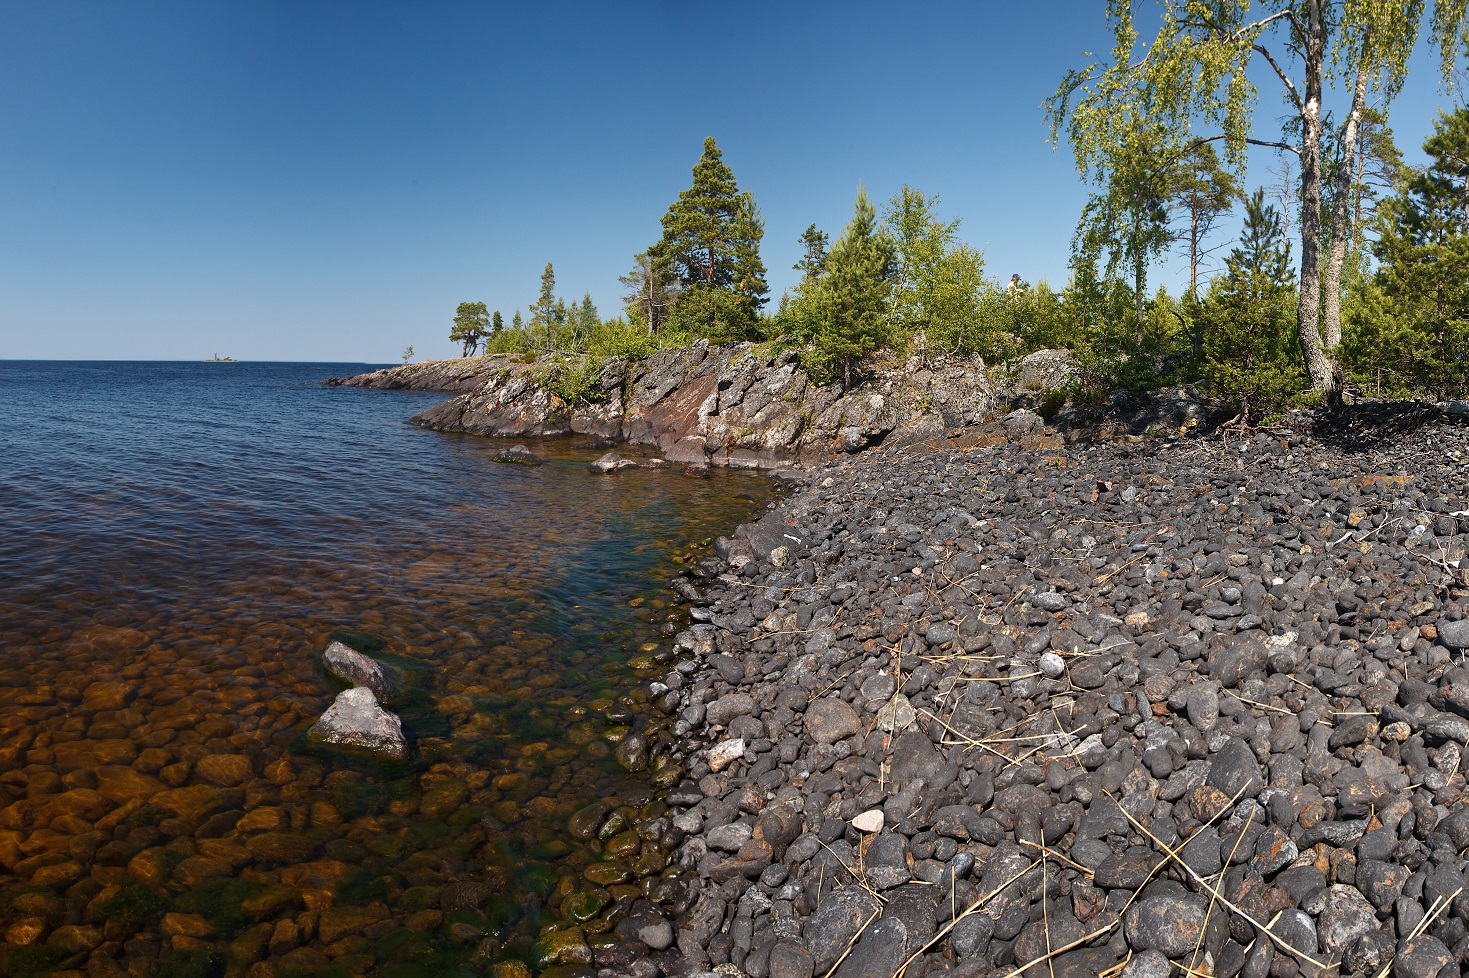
x=327, y=181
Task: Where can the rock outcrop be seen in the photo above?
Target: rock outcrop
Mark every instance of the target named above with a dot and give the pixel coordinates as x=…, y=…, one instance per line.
x=728, y=405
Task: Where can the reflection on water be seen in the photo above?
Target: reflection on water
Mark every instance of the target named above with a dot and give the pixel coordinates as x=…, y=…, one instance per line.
x=177, y=541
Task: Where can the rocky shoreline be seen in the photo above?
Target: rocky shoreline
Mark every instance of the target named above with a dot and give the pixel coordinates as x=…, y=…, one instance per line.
x=734, y=405
x=998, y=705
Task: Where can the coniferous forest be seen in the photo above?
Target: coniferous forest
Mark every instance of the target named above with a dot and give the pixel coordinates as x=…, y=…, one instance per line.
x=1343, y=278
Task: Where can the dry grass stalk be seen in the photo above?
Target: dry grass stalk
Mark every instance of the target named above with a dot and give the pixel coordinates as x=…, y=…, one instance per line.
x=1279, y=942
x=1263, y=706
x=1439, y=906
x=852, y=943
x=1208, y=911
x=1117, y=570
x=859, y=878
x=971, y=909
x=1049, y=955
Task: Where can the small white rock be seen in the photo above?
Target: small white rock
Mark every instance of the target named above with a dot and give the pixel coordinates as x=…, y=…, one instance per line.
x=1053, y=665
x=869, y=821
x=725, y=753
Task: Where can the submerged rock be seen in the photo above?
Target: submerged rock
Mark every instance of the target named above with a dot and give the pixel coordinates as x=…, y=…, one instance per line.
x=519, y=455
x=356, y=719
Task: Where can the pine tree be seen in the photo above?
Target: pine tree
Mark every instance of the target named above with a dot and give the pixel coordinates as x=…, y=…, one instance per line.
x=851, y=299
x=471, y=320
x=497, y=324
x=543, y=316
x=711, y=242
x=652, y=290
x=1250, y=358
x=1423, y=248
x=813, y=260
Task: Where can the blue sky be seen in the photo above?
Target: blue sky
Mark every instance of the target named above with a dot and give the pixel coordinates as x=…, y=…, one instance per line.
x=327, y=181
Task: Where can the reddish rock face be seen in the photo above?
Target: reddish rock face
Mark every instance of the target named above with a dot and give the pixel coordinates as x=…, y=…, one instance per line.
x=700, y=405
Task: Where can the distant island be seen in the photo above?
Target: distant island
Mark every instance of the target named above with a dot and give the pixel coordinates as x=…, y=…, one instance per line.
x=219, y=359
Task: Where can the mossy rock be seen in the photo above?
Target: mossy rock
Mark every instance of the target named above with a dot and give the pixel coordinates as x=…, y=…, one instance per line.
x=582, y=905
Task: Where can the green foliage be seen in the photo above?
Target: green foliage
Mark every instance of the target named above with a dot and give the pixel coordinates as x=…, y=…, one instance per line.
x=1194, y=81
x=711, y=243
x=940, y=295
x=1413, y=323
x=813, y=260
x=1127, y=219
x=573, y=378
x=619, y=337
x=1248, y=314
x=653, y=288
x=407, y=354
x=547, y=314
x=471, y=324
x=844, y=312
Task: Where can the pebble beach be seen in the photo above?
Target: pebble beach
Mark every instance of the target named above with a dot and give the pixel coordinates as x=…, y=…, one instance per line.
x=1005, y=706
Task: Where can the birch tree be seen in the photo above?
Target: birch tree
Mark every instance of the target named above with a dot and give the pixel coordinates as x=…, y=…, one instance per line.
x=1193, y=80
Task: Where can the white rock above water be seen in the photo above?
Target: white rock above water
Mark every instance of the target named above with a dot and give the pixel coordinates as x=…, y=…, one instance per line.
x=357, y=669
x=612, y=462
x=356, y=720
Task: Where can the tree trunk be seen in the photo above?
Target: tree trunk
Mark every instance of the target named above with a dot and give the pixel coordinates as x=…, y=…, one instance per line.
x=1193, y=271
x=1308, y=313
x=1331, y=287
x=1361, y=154
x=1139, y=273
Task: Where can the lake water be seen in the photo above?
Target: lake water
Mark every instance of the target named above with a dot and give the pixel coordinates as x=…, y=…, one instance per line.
x=178, y=541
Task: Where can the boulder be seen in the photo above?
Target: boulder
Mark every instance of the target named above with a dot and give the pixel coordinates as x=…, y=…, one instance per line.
x=519, y=455
x=356, y=669
x=1048, y=370
x=612, y=462
x=356, y=720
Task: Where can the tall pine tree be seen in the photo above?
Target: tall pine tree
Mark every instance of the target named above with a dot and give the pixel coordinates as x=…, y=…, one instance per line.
x=711, y=241
x=546, y=314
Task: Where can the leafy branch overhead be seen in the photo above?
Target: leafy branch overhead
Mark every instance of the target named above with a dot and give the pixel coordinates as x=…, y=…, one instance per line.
x=1192, y=80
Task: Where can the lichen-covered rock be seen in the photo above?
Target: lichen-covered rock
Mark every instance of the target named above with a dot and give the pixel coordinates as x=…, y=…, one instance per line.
x=699, y=405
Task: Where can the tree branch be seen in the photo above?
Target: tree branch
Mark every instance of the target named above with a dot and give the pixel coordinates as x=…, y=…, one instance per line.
x=1290, y=86
x=1238, y=32
x=1272, y=145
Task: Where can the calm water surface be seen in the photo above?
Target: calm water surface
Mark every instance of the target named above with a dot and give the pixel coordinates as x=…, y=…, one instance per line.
x=177, y=542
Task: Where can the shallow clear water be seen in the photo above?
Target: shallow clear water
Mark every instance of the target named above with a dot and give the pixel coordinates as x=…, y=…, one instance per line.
x=178, y=540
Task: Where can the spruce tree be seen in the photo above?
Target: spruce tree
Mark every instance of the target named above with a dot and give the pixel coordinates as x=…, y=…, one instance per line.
x=1250, y=357
x=1423, y=248
x=711, y=242
x=543, y=314
x=851, y=299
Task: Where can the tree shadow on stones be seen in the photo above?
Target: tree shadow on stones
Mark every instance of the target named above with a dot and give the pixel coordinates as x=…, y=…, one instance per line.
x=1361, y=428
